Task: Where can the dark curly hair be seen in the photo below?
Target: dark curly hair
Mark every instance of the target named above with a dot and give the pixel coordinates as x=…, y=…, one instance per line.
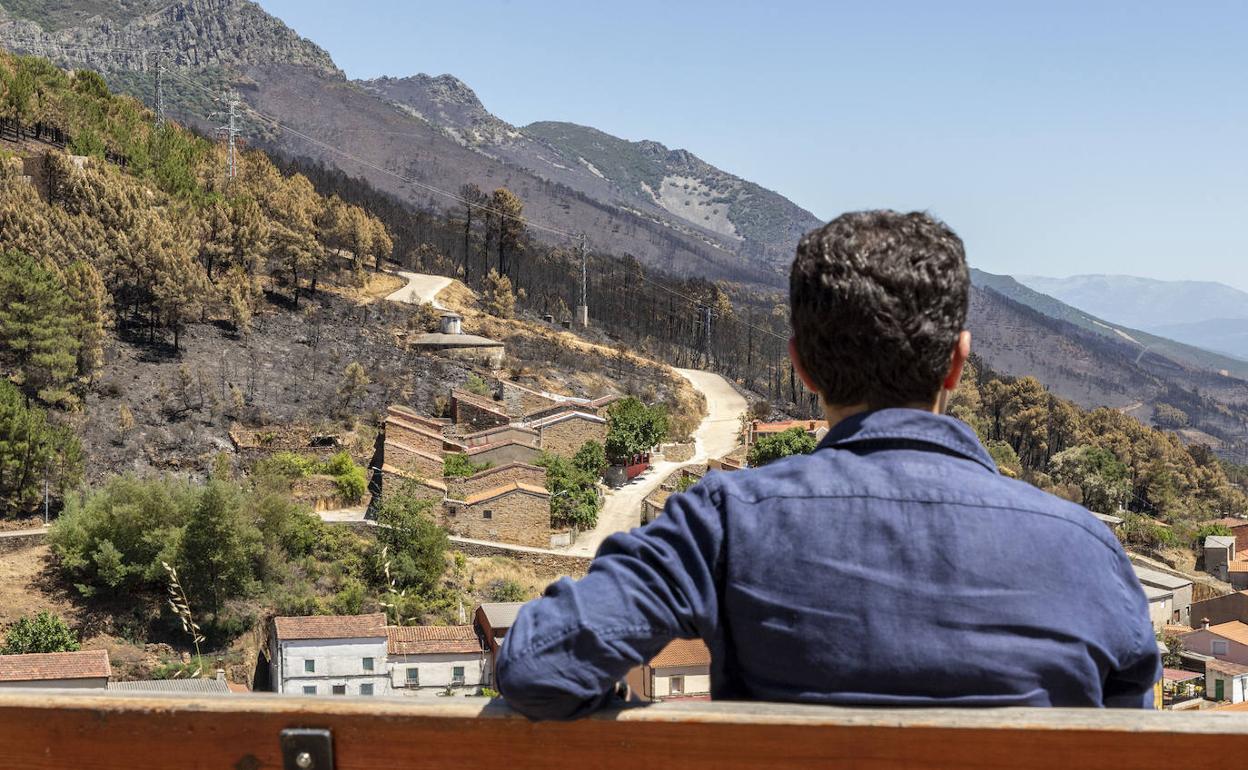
x=878, y=299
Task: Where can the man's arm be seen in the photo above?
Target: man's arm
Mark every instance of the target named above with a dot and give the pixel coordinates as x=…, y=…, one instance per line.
x=565, y=652
x=1130, y=683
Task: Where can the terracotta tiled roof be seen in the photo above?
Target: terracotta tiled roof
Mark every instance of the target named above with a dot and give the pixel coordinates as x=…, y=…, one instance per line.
x=1178, y=675
x=683, y=652
x=515, y=486
x=419, y=640
x=510, y=466
x=331, y=626
x=1235, y=630
x=1239, y=565
x=85, y=664
x=1225, y=667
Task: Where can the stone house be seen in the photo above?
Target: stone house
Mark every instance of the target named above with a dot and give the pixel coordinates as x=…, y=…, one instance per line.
x=1225, y=641
x=504, y=452
x=681, y=670
x=432, y=424
x=1180, y=589
x=418, y=436
x=476, y=413
x=513, y=432
x=1226, y=681
x=428, y=661
x=329, y=655
x=564, y=434
x=82, y=670
x=492, y=478
x=393, y=479
x=417, y=462
x=515, y=512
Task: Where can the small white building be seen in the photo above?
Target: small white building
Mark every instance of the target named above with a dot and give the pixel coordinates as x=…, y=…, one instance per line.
x=83, y=670
x=428, y=661
x=1226, y=681
x=1160, y=605
x=681, y=670
x=329, y=655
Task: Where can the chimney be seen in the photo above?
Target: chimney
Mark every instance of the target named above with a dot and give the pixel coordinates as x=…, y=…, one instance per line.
x=451, y=324
x=1204, y=624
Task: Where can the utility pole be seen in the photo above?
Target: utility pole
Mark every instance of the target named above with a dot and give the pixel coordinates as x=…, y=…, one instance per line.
x=160, y=91
x=231, y=132
x=45, y=496
x=582, y=310
x=705, y=311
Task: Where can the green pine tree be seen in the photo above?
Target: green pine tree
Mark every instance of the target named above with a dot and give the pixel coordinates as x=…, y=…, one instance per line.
x=37, y=325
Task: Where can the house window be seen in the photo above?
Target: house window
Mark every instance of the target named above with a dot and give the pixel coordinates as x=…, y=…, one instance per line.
x=309, y=667
x=676, y=685
x=368, y=664
x=366, y=689
x=457, y=675
x=1219, y=647
x=340, y=689
x=309, y=689
x=487, y=514
x=413, y=677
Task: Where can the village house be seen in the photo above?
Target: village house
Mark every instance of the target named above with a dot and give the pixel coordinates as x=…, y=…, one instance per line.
x=491, y=478
x=514, y=512
x=329, y=655
x=1160, y=605
x=1219, y=553
x=492, y=621
x=507, y=450
x=517, y=433
x=82, y=670
x=1239, y=531
x=472, y=413
x=653, y=504
x=520, y=400
x=816, y=429
x=1222, y=609
x=1225, y=641
x=419, y=436
x=417, y=462
x=681, y=670
x=1180, y=588
x=565, y=433
x=428, y=661
x=1226, y=681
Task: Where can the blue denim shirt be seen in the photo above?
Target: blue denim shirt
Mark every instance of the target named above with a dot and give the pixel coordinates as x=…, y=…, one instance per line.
x=893, y=566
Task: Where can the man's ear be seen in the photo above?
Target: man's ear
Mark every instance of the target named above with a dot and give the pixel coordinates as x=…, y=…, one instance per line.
x=957, y=360
x=801, y=369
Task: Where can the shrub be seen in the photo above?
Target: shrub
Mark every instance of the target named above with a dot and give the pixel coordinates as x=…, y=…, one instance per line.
x=458, y=465
x=506, y=590
x=591, y=459
x=44, y=632
x=770, y=448
x=475, y=384
x=633, y=428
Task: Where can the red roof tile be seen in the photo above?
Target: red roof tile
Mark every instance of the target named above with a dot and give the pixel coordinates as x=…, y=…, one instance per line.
x=85, y=664
x=419, y=640
x=331, y=626
x=683, y=652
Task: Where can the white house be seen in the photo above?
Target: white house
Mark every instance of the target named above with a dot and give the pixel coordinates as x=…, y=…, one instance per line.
x=682, y=669
x=329, y=655
x=1226, y=681
x=1160, y=605
x=427, y=661
x=86, y=669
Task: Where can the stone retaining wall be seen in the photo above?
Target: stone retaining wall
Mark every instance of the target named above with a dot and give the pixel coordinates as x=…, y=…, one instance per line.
x=20, y=542
x=544, y=563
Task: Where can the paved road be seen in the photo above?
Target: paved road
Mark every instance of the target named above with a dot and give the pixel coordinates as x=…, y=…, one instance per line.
x=715, y=437
x=421, y=288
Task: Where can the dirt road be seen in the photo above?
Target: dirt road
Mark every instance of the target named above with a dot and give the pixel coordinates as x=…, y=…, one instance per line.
x=715, y=437
x=421, y=288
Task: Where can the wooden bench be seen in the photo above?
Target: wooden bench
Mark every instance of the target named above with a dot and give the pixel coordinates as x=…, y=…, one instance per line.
x=107, y=731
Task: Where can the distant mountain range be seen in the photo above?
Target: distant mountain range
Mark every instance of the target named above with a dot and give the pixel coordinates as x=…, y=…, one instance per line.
x=665, y=207
x=1206, y=314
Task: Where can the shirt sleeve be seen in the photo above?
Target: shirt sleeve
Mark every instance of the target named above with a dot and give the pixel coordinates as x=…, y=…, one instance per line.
x=565, y=652
x=1131, y=681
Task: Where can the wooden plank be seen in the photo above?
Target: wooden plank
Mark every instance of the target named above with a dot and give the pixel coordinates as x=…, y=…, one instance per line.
x=143, y=732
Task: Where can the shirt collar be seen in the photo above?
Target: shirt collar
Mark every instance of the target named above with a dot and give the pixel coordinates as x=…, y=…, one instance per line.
x=910, y=425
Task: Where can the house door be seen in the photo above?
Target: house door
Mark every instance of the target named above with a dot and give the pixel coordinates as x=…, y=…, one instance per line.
x=1219, y=689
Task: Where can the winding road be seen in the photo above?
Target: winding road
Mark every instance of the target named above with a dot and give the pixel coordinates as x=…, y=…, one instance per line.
x=715, y=437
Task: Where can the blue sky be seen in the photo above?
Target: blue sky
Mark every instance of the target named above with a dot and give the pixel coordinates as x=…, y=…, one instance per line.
x=1056, y=138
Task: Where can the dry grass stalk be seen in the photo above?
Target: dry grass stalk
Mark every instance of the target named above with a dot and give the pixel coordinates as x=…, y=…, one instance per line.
x=181, y=607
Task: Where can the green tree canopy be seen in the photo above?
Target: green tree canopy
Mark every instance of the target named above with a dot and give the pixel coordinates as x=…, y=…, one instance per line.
x=591, y=459
x=413, y=543
x=37, y=328
x=30, y=447
x=44, y=632
x=459, y=465
x=574, y=497
x=633, y=428
x=1103, y=479
x=769, y=448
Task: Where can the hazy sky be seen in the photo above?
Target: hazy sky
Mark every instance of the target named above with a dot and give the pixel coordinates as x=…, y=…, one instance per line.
x=1067, y=137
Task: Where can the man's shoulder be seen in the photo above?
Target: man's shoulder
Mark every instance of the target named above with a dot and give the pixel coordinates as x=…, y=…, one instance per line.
x=814, y=476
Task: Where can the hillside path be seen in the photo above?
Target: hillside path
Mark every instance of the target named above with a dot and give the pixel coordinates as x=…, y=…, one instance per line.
x=715, y=437
x=421, y=288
